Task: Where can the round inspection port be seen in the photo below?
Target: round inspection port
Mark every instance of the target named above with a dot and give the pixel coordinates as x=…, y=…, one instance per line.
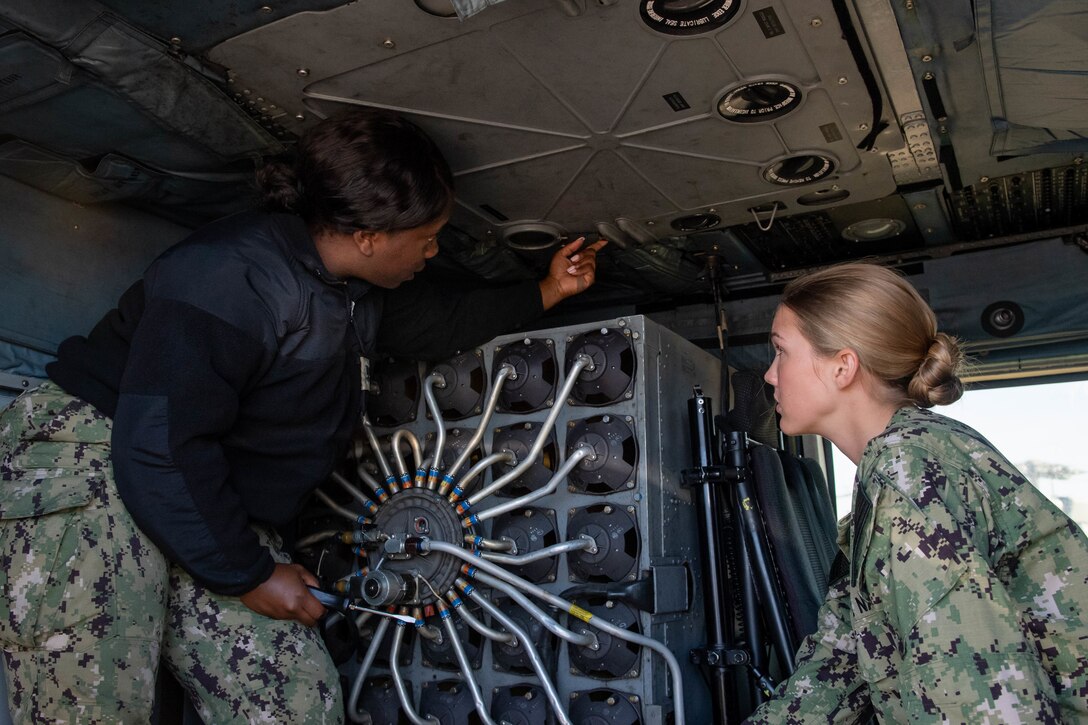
x=531, y=237
x=759, y=101
x=687, y=17
x=800, y=169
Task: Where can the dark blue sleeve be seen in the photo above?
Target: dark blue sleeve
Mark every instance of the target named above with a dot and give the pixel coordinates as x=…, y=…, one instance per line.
x=186, y=372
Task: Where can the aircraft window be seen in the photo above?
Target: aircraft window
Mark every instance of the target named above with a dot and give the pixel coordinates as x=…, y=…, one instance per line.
x=1038, y=427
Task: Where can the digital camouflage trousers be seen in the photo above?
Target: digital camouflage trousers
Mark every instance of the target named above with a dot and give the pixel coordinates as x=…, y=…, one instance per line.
x=90, y=606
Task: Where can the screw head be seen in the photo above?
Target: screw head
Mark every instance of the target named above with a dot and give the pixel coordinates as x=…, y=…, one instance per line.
x=388, y=43
x=843, y=80
x=927, y=58
x=303, y=72
x=266, y=8
x=816, y=22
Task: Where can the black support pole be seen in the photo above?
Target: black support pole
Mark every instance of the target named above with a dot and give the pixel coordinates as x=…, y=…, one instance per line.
x=735, y=454
x=718, y=599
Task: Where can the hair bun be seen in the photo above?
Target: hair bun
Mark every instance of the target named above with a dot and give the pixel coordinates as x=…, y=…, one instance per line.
x=937, y=381
x=279, y=187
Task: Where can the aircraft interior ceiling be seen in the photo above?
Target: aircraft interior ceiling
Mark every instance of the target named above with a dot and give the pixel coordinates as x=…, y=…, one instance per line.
x=773, y=136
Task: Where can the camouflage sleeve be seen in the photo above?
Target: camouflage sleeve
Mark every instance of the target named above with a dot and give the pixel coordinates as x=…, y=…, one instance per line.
x=941, y=633
x=825, y=687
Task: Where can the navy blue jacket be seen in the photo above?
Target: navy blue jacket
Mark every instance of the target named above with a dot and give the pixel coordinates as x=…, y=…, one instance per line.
x=231, y=372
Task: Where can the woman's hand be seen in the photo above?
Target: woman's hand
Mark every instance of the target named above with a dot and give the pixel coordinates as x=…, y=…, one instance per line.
x=285, y=595
x=572, y=270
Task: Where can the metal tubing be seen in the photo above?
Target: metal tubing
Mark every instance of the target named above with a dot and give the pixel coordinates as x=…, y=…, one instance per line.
x=466, y=671
x=493, y=634
x=584, y=542
x=522, y=637
x=553, y=484
x=506, y=370
x=559, y=602
x=370, y=481
x=479, y=542
x=432, y=404
x=581, y=363
x=316, y=538
x=413, y=442
x=337, y=508
x=354, y=714
x=586, y=639
x=371, y=436
x=430, y=633
x=406, y=704
x=485, y=463
x=351, y=489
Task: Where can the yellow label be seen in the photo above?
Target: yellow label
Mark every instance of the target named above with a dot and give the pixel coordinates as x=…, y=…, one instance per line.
x=582, y=614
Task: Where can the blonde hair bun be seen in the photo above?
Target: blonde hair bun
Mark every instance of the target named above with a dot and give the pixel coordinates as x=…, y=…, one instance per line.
x=937, y=380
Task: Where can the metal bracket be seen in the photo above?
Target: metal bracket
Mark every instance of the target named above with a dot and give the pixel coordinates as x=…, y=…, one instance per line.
x=18, y=383
x=717, y=475
x=719, y=656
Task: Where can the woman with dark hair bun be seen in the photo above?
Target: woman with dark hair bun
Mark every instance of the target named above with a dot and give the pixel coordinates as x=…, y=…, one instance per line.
x=966, y=593
x=142, y=485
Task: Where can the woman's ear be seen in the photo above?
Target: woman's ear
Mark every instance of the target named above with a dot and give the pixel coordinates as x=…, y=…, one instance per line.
x=364, y=241
x=847, y=367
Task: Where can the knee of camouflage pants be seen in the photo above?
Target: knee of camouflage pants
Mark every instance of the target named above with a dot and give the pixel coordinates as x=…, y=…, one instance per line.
x=243, y=667
x=84, y=589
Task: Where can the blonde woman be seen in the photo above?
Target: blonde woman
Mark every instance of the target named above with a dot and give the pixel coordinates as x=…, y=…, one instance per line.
x=967, y=588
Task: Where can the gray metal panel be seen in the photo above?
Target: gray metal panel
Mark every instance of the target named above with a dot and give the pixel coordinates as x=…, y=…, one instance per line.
x=62, y=265
x=530, y=84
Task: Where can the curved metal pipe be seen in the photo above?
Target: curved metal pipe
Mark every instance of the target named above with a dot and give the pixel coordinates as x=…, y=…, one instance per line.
x=316, y=538
x=354, y=713
x=506, y=370
x=495, y=635
x=398, y=682
x=584, y=542
x=466, y=669
x=403, y=434
x=376, y=448
x=573, y=609
x=352, y=489
x=479, y=542
x=430, y=633
x=435, y=379
x=486, y=462
x=530, y=649
x=581, y=363
x=560, y=475
x=586, y=639
x=372, y=483
x=337, y=508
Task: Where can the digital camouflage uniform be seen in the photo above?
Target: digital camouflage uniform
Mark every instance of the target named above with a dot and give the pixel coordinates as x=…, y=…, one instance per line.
x=966, y=597
x=91, y=604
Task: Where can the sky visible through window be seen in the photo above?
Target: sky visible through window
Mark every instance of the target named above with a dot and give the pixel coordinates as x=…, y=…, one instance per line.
x=1039, y=428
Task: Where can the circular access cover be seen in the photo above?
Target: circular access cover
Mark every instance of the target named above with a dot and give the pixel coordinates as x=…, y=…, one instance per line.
x=758, y=101
x=801, y=169
x=687, y=17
